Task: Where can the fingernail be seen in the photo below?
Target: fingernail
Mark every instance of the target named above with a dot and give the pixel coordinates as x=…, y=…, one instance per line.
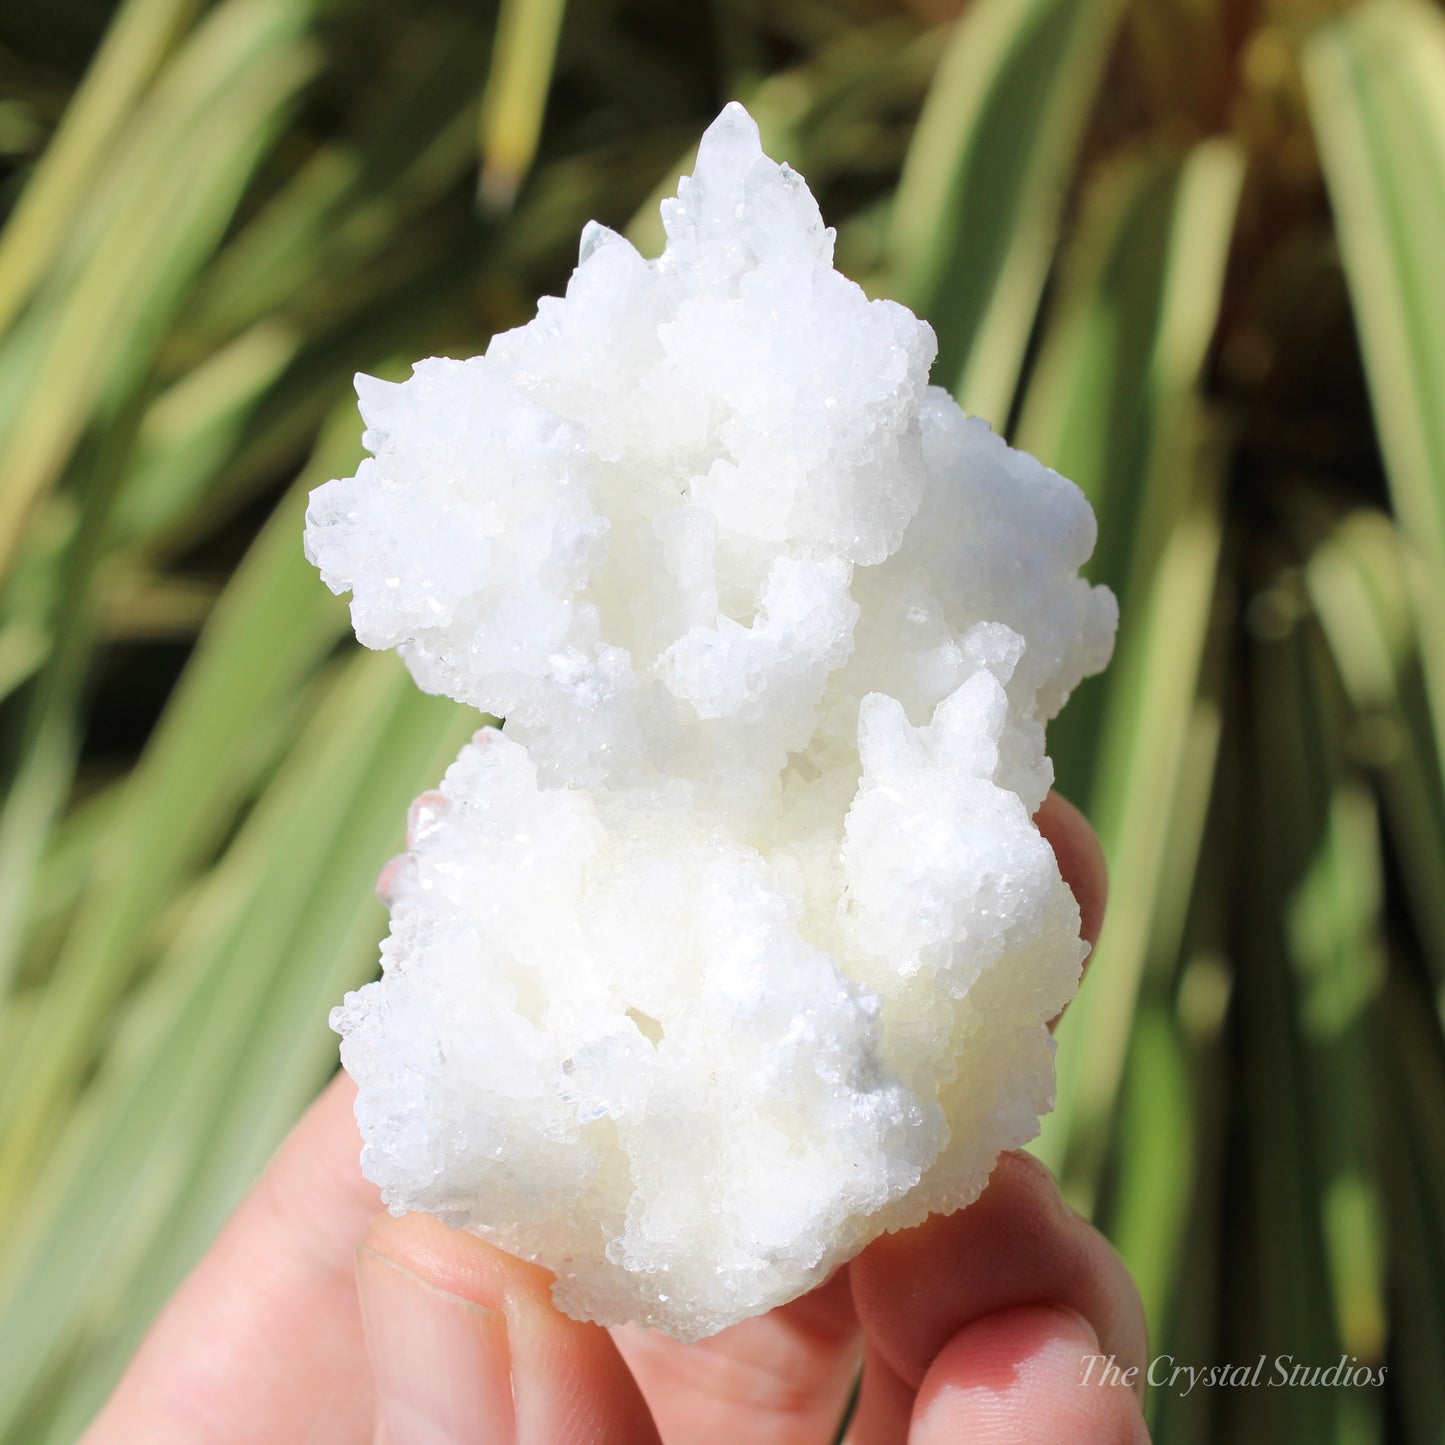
x=440, y=1364
x=1069, y=1210
x=389, y=876
x=425, y=816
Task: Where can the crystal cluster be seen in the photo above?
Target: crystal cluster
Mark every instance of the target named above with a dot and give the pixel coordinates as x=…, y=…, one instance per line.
x=737, y=946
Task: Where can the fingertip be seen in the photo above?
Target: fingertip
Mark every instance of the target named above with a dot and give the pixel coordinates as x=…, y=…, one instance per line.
x=387, y=879
x=1017, y=1244
x=441, y=1363
x=442, y=1305
x=1080, y=855
x=1034, y=1373
x=452, y=1260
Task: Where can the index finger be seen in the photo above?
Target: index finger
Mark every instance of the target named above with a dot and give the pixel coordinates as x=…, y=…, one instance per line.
x=263, y=1341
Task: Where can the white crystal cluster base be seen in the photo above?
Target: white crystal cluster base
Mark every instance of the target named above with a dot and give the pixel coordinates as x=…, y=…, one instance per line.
x=738, y=946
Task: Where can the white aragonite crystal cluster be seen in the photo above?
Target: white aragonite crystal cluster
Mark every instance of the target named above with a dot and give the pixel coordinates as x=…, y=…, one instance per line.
x=738, y=945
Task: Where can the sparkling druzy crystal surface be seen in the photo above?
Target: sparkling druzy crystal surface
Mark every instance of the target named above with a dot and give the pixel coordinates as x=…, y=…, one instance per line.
x=737, y=946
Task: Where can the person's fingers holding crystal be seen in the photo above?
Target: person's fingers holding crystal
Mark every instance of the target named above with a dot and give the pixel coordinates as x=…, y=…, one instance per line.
x=466, y=1348
x=940, y=1308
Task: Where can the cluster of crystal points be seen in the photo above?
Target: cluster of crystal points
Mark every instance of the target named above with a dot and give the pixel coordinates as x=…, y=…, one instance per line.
x=737, y=947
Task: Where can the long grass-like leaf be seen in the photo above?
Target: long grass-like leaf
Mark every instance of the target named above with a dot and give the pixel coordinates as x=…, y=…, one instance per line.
x=1376, y=82
x=49, y=738
x=129, y=1140
x=266, y=633
x=194, y=147
x=1165, y=493
x=978, y=204
x=1358, y=583
x=194, y=426
x=1158, y=1153
x=134, y=46
x=1278, y=1293
x=362, y=200
x=1185, y=1324
x=194, y=1086
x=523, y=54
x=1414, y=1154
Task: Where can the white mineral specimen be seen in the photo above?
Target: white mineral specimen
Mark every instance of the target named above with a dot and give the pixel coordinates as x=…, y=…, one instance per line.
x=737, y=947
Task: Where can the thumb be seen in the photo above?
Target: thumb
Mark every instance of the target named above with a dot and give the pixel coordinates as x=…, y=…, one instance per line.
x=466, y=1347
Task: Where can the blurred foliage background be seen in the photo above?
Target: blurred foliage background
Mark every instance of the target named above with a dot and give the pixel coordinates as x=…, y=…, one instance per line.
x=1190, y=253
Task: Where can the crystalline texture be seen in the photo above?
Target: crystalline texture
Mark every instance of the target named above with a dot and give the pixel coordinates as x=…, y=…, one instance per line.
x=738, y=946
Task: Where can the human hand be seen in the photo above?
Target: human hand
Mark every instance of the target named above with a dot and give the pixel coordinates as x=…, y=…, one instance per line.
x=315, y=1317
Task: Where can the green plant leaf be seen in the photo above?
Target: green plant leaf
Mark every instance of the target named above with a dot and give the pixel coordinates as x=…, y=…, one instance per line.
x=226, y=1040
x=151, y=226
x=1154, y=249
x=979, y=201
x=1376, y=84
x=134, y=46
x=523, y=54
x=1358, y=582
x=267, y=632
